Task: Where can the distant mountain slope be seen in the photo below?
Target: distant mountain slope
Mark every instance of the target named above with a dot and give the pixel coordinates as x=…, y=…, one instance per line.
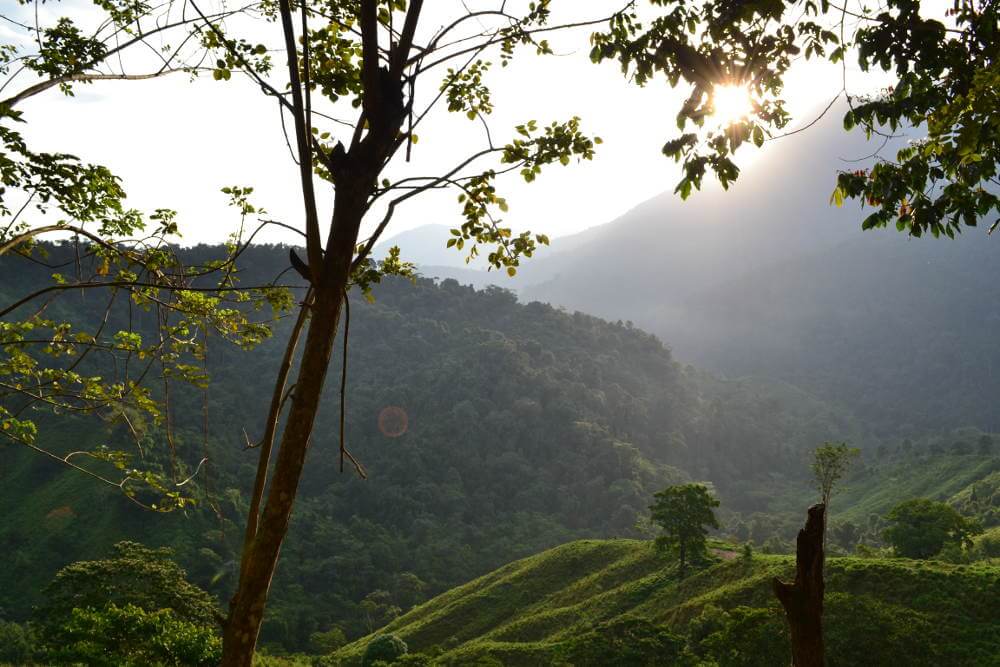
x=769, y=279
x=902, y=332
x=879, y=611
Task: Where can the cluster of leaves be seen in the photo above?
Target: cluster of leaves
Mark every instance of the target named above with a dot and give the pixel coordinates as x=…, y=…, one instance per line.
x=154, y=324
x=528, y=153
x=234, y=54
x=466, y=91
x=371, y=272
x=947, y=83
x=710, y=44
x=64, y=51
x=85, y=193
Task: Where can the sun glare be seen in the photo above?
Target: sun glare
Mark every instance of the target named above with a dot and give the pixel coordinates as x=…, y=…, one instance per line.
x=731, y=103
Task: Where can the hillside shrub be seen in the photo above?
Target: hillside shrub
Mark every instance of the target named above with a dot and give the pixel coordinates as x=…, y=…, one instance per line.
x=384, y=648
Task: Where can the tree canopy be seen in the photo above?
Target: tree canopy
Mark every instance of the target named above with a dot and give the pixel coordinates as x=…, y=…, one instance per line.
x=920, y=528
x=684, y=513
x=134, y=575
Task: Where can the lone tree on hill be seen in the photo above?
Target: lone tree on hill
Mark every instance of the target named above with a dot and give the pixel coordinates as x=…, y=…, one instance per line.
x=684, y=513
x=356, y=80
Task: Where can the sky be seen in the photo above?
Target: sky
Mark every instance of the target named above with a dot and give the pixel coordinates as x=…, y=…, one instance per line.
x=176, y=143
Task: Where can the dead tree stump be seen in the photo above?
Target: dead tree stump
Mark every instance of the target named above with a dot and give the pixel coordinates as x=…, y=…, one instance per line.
x=803, y=599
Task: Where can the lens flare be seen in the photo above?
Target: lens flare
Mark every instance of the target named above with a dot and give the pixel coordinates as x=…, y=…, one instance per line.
x=393, y=421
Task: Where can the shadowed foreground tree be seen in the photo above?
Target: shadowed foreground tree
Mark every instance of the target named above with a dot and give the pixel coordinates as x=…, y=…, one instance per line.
x=361, y=78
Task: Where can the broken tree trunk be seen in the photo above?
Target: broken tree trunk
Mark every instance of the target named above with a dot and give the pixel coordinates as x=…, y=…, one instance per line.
x=803, y=599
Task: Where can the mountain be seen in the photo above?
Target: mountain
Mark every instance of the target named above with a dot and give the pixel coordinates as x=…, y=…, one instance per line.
x=769, y=279
x=489, y=429
x=582, y=597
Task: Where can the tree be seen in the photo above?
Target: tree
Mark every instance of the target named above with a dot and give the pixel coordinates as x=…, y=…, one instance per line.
x=368, y=61
x=831, y=461
x=134, y=577
x=364, y=60
x=328, y=641
x=134, y=637
x=409, y=590
x=920, y=528
x=684, y=513
x=379, y=609
x=18, y=644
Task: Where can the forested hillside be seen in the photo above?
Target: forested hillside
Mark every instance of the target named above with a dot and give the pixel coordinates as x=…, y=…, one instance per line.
x=489, y=430
x=771, y=279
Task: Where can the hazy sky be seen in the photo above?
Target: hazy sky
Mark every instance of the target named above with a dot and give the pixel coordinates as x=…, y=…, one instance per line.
x=176, y=142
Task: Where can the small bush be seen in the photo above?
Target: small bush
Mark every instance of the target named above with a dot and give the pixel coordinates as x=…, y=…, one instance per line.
x=384, y=648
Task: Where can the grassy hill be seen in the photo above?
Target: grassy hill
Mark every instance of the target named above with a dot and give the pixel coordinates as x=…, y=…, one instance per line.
x=878, y=610
x=962, y=480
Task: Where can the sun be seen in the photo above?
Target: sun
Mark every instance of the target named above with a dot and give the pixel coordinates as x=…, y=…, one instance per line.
x=731, y=103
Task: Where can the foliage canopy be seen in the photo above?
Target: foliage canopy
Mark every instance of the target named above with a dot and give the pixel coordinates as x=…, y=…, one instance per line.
x=684, y=513
x=920, y=528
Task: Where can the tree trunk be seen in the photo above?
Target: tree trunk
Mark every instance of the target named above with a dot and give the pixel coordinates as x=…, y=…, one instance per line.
x=246, y=611
x=247, y=607
x=803, y=599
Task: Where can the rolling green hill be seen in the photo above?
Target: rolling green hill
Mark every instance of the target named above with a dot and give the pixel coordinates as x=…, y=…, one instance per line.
x=879, y=611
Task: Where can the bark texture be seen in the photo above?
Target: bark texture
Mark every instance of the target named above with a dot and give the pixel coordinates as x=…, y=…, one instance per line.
x=803, y=599
x=247, y=607
x=355, y=171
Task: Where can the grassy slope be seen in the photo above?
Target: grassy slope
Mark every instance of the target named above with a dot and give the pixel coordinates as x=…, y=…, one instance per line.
x=878, y=488
x=520, y=612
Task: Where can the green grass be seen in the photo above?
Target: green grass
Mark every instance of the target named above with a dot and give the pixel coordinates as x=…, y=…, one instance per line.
x=878, y=487
x=924, y=612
